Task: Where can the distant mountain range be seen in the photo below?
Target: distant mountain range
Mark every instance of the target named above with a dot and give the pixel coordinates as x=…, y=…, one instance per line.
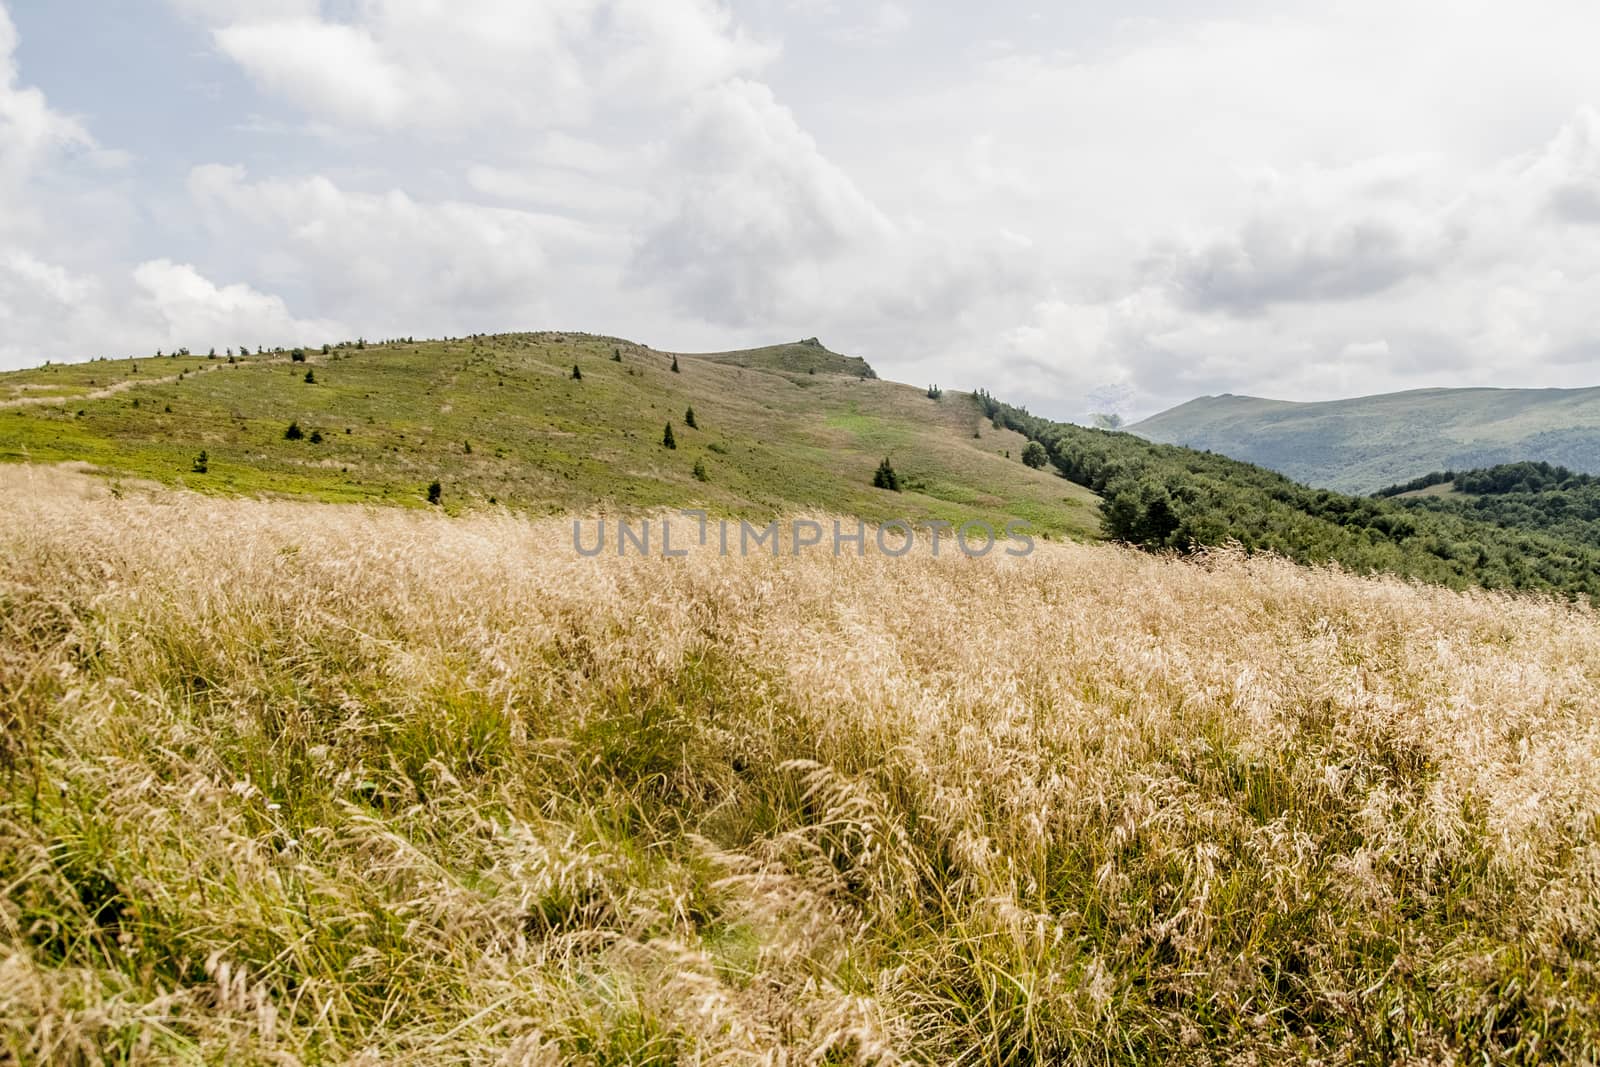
x=1363, y=444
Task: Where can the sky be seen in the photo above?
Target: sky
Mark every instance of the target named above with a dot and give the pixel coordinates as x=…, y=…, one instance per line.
x=1081, y=207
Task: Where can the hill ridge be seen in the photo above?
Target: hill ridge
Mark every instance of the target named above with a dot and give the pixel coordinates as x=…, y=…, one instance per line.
x=1361, y=444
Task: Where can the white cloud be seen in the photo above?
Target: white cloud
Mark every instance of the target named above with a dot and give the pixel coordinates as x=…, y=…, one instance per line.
x=188, y=309
x=488, y=65
x=1063, y=205
x=323, y=66
x=386, y=261
x=32, y=134
x=757, y=214
x=52, y=312
x=62, y=292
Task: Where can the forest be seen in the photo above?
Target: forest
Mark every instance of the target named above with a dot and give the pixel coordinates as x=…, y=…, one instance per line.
x=1540, y=497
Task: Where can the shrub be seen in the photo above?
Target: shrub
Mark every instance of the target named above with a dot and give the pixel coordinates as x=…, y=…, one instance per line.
x=202, y=463
x=675, y=369
x=311, y=377
x=700, y=473
x=886, y=478
x=316, y=437
x=688, y=419
x=667, y=440
x=297, y=356
x=435, y=492
x=1034, y=455
x=577, y=375
x=934, y=392
x=616, y=355
x=293, y=433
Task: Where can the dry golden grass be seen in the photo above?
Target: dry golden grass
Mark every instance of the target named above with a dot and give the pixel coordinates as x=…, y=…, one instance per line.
x=298, y=783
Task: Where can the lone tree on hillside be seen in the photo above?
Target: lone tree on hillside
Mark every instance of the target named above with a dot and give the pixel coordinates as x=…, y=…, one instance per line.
x=1034, y=455
x=688, y=419
x=667, y=440
x=675, y=369
x=294, y=432
x=700, y=474
x=934, y=392
x=886, y=478
x=311, y=377
x=616, y=355
x=577, y=375
x=297, y=356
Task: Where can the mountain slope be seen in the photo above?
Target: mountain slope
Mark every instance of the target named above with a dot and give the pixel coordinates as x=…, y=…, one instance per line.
x=1362, y=444
x=501, y=419
x=1169, y=498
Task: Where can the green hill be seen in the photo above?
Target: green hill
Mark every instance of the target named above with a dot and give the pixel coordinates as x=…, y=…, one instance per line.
x=1360, y=444
x=502, y=420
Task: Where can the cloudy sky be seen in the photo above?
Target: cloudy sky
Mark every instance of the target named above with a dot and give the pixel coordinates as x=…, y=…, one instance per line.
x=1077, y=209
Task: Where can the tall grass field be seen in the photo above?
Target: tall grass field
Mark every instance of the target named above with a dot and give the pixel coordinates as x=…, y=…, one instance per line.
x=296, y=783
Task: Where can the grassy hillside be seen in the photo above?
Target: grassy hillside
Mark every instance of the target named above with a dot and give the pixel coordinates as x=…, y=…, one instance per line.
x=501, y=419
x=286, y=782
x=1359, y=445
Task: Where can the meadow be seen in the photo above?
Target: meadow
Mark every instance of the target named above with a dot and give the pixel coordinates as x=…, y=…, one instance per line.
x=295, y=782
